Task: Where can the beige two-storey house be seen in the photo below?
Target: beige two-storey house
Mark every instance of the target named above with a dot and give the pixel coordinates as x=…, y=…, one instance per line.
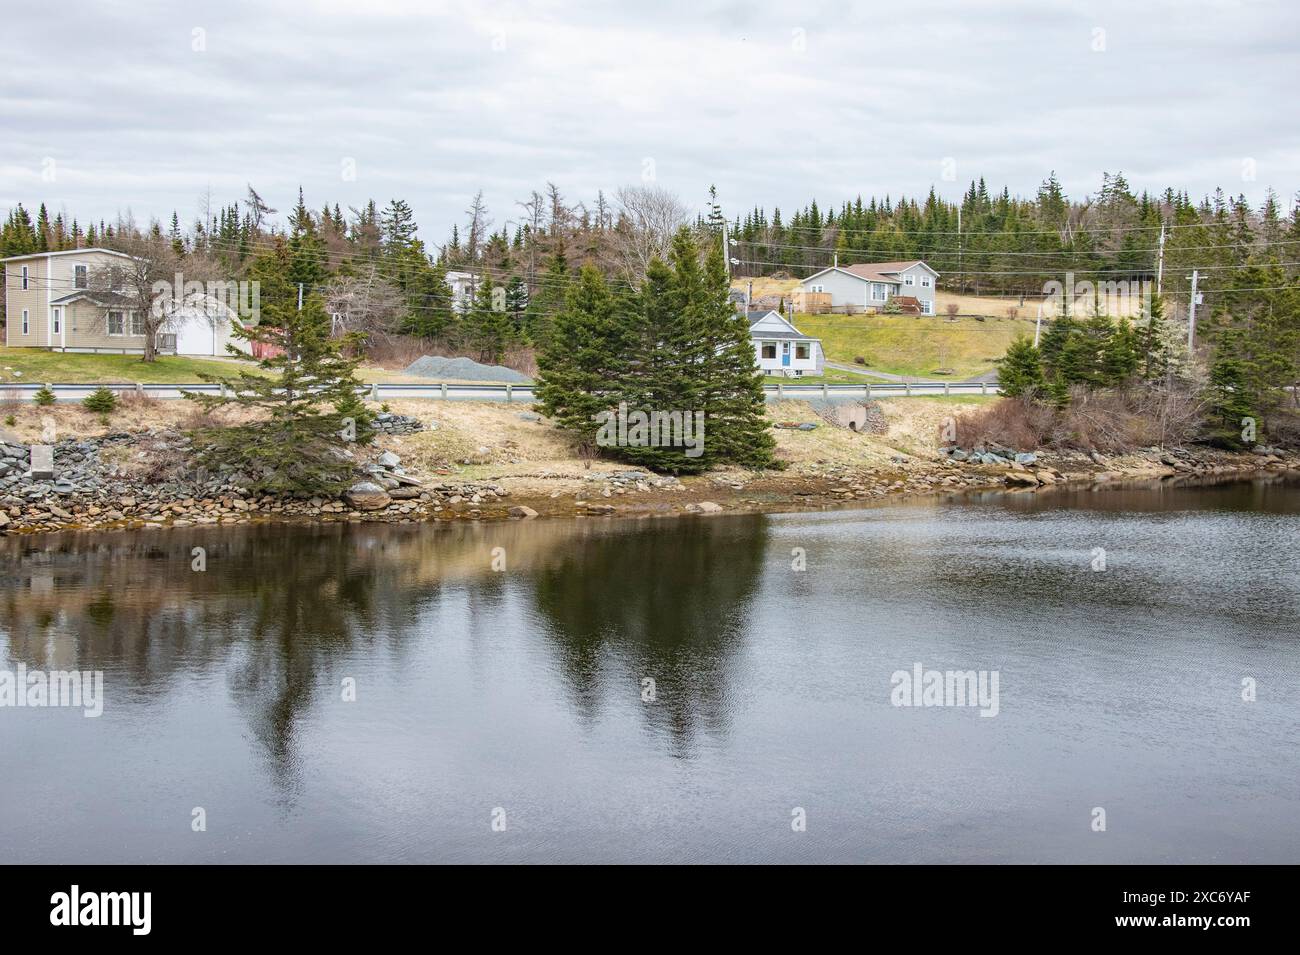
x=49, y=303
x=57, y=300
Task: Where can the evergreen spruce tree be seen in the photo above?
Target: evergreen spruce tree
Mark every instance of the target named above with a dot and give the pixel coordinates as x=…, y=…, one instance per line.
x=662, y=372
x=584, y=360
x=487, y=324
x=1121, y=357
x=295, y=445
x=731, y=392
x=539, y=316
x=1020, y=373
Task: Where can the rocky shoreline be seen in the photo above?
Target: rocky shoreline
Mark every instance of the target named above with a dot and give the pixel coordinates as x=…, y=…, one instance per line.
x=128, y=480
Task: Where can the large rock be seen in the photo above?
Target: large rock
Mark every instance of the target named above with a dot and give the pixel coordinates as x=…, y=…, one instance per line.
x=521, y=510
x=1021, y=477
x=42, y=466
x=704, y=507
x=388, y=460
x=368, y=496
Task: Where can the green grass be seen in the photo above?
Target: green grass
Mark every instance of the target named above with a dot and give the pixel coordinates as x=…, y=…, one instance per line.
x=41, y=366
x=832, y=376
x=36, y=365
x=915, y=346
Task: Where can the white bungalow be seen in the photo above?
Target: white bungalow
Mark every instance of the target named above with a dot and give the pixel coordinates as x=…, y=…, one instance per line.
x=781, y=349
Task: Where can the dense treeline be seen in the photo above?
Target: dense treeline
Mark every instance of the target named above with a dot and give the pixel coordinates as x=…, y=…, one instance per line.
x=1000, y=244
x=376, y=277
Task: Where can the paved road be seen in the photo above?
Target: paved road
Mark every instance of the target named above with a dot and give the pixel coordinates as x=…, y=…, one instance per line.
x=524, y=393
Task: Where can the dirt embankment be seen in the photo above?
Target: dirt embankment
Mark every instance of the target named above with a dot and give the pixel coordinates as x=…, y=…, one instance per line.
x=484, y=461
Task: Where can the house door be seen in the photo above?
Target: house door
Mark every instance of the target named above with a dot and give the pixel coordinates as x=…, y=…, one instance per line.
x=785, y=354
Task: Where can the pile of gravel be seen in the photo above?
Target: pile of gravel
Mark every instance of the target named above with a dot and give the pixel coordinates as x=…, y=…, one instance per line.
x=462, y=369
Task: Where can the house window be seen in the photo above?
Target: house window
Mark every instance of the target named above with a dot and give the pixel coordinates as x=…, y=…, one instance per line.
x=925, y=283
x=137, y=324
x=909, y=279
x=769, y=350
x=81, y=276
x=26, y=323
x=115, y=323
x=24, y=278
x=58, y=320
x=817, y=289
x=801, y=350
x=878, y=292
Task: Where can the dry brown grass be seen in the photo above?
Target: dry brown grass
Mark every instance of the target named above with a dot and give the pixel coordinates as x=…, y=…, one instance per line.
x=480, y=434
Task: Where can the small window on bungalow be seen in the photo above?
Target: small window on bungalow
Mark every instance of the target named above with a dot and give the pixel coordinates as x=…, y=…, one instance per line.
x=925, y=282
x=24, y=278
x=81, y=276
x=115, y=323
x=801, y=350
x=878, y=292
x=769, y=349
x=137, y=323
x=27, y=325
x=909, y=279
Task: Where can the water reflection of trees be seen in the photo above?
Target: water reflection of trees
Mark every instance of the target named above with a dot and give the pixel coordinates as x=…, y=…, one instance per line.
x=273, y=610
x=280, y=611
x=666, y=600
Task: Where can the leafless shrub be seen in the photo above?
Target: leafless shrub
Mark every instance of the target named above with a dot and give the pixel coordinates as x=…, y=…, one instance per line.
x=1111, y=421
x=1013, y=422
x=952, y=308
x=128, y=399
x=364, y=303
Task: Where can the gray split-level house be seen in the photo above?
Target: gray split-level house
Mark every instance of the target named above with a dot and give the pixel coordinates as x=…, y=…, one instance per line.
x=869, y=286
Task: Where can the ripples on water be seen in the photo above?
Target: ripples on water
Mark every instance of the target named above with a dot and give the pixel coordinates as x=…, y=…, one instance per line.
x=523, y=689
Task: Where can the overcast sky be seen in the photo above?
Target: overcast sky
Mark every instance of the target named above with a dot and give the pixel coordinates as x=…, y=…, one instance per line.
x=113, y=106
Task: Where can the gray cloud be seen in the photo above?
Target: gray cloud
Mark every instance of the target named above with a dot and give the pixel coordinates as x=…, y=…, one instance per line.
x=775, y=103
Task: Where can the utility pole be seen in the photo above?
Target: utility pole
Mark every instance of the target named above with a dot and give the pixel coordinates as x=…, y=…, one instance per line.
x=749, y=297
x=1160, y=260
x=1191, y=313
x=726, y=250
x=1038, y=324
x=961, y=280
x=300, y=296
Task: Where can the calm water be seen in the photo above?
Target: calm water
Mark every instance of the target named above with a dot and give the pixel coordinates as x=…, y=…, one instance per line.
x=522, y=690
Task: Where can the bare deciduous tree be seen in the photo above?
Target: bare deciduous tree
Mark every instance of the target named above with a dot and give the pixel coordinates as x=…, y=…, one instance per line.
x=648, y=217
x=364, y=303
x=144, y=287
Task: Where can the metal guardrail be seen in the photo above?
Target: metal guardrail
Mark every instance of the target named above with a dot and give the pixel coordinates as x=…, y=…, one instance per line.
x=506, y=392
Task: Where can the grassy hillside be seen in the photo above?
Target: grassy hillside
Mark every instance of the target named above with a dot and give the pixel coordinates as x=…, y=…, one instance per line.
x=916, y=346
